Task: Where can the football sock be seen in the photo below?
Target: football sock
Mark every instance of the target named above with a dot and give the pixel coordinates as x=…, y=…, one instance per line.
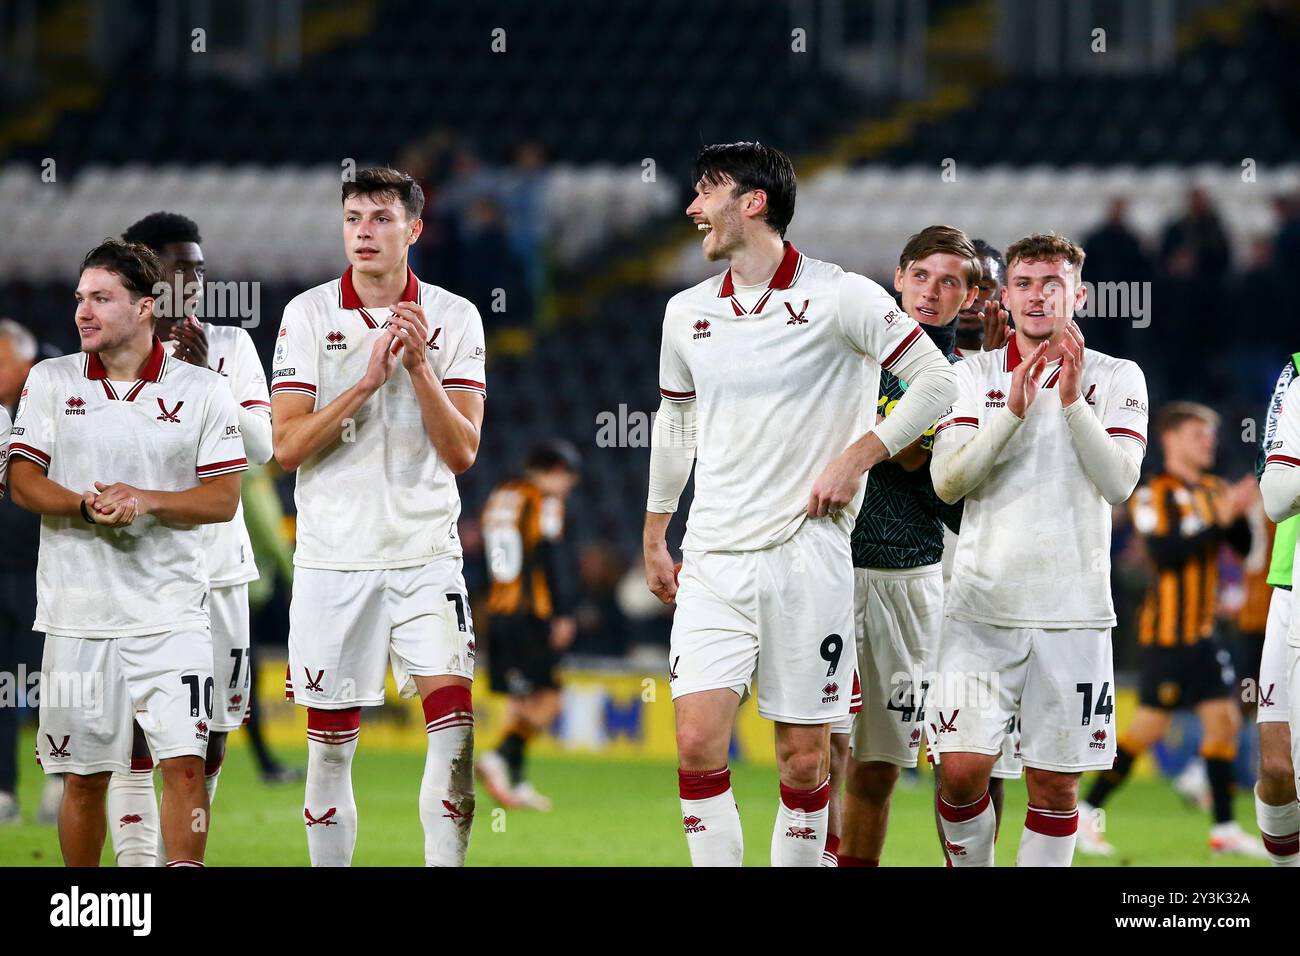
x=710, y=817
x=800, y=832
x=1218, y=768
x=512, y=752
x=830, y=855
x=1280, y=828
x=447, y=789
x=329, y=809
x=1108, y=780
x=133, y=815
x=210, y=775
x=968, y=831
x=1048, y=838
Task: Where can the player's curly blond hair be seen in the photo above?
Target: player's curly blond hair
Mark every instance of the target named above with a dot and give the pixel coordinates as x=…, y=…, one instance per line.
x=1047, y=246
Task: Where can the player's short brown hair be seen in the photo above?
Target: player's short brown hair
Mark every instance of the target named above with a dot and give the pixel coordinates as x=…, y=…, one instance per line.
x=1046, y=246
x=383, y=182
x=1175, y=414
x=947, y=239
x=133, y=262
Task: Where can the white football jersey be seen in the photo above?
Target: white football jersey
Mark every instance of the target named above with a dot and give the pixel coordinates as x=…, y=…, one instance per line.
x=381, y=497
x=175, y=425
x=782, y=384
x=232, y=355
x=1034, y=548
x=1283, y=455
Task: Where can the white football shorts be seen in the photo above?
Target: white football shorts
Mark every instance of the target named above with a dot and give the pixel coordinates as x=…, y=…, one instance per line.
x=347, y=627
x=1273, y=697
x=782, y=616
x=897, y=619
x=92, y=691
x=1059, y=685
x=232, y=698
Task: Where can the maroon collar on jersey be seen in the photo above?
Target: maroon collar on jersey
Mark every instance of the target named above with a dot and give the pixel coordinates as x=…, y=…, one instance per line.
x=784, y=277
x=152, y=372
x=1013, y=359
x=348, y=298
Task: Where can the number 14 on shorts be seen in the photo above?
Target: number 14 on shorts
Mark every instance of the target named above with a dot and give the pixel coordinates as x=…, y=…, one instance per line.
x=1105, y=702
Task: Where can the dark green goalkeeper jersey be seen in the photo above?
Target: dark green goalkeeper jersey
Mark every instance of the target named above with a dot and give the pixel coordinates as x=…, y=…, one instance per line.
x=901, y=521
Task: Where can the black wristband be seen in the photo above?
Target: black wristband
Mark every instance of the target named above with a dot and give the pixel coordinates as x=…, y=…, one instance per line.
x=86, y=514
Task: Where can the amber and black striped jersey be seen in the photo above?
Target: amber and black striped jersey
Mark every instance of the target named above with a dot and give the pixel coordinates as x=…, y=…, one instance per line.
x=1177, y=523
x=522, y=529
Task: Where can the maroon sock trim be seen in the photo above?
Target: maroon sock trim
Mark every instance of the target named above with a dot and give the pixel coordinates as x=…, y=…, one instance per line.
x=702, y=784
x=961, y=814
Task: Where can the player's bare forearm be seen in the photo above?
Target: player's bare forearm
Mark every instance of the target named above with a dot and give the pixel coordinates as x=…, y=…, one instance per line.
x=914, y=457
x=867, y=452
x=32, y=491
x=656, y=527
x=452, y=420
x=297, y=432
x=212, y=501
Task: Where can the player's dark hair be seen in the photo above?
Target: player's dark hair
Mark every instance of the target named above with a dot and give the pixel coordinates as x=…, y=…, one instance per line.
x=947, y=239
x=749, y=166
x=133, y=262
x=552, y=454
x=382, y=182
x=986, y=250
x=1175, y=414
x=1046, y=246
x=159, y=228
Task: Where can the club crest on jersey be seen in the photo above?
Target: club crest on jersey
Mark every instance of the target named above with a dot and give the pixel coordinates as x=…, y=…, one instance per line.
x=59, y=750
x=701, y=329
x=76, y=406
x=948, y=725
x=324, y=819
x=221, y=364
x=796, y=318
x=335, y=340
x=1092, y=389
x=169, y=416
x=433, y=340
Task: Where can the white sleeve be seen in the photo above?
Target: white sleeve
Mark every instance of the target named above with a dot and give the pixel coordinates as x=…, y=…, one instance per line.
x=4, y=450
x=1280, y=483
x=221, y=448
x=672, y=454
x=465, y=366
x=1111, y=450
x=966, y=445
x=875, y=325
x=33, y=433
x=248, y=384
x=294, y=365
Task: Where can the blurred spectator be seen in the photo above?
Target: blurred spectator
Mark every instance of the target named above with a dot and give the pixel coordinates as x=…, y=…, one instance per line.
x=1114, y=254
x=1258, y=291
x=602, y=628
x=523, y=200
x=20, y=534
x=1195, y=250
x=1287, y=252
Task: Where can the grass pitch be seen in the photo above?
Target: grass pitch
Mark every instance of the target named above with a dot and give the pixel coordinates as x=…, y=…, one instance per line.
x=607, y=813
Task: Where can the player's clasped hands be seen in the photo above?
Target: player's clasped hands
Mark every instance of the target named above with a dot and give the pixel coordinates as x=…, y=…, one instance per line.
x=383, y=360
x=412, y=331
x=115, y=505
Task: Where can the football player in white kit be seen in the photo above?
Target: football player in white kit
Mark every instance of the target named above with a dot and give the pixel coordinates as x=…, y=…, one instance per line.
x=1044, y=438
x=377, y=449
x=769, y=376
x=229, y=351
x=1280, y=486
x=125, y=453
x=1276, y=809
